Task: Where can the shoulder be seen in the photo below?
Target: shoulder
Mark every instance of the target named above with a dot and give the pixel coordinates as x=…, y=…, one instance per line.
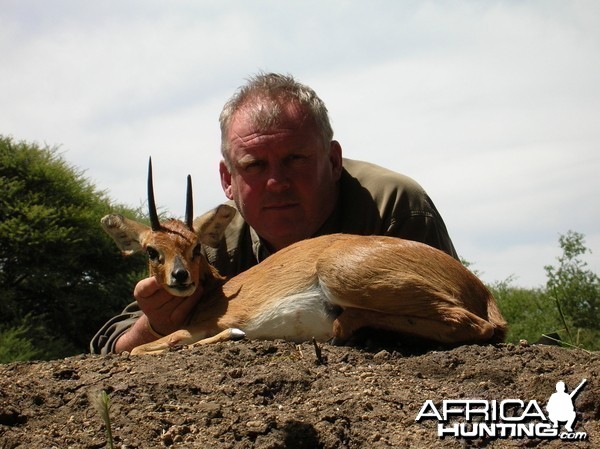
x=382, y=184
x=376, y=200
x=376, y=178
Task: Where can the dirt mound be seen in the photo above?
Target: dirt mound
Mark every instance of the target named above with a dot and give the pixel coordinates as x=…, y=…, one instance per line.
x=276, y=394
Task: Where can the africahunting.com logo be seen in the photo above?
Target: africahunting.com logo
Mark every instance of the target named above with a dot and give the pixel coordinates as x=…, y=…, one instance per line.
x=509, y=418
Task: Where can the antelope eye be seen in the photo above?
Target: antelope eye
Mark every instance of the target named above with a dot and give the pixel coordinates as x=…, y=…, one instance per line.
x=197, y=250
x=152, y=254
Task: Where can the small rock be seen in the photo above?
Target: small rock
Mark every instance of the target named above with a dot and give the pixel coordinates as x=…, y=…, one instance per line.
x=236, y=373
x=382, y=355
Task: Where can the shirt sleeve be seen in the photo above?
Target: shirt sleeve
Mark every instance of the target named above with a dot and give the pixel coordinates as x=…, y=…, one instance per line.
x=424, y=227
x=104, y=341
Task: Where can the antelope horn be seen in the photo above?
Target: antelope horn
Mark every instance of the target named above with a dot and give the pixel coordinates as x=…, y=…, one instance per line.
x=154, y=222
x=189, y=205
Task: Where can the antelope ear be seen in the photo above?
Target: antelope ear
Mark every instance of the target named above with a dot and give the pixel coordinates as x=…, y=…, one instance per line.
x=211, y=226
x=126, y=233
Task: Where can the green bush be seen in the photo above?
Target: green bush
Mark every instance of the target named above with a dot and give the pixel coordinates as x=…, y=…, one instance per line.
x=569, y=305
x=58, y=269
x=528, y=311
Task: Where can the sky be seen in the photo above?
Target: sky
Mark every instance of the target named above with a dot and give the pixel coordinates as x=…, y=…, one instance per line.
x=492, y=106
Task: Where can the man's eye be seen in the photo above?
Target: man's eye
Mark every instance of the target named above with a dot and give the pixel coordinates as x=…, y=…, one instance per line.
x=152, y=254
x=254, y=166
x=297, y=158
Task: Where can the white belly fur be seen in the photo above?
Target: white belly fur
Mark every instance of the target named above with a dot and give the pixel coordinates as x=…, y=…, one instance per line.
x=298, y=317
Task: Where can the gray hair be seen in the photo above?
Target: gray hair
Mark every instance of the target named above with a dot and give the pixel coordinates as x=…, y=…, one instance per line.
x=264, y=94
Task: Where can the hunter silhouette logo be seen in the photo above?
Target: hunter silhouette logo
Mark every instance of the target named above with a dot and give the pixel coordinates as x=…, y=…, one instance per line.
x=508, y=418
x=560, y=405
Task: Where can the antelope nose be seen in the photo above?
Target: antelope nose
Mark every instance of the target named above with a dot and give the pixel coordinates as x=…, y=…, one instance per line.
x=180, y=275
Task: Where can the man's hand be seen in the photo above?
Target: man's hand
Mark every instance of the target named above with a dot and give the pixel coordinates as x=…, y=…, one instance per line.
x=164, y=312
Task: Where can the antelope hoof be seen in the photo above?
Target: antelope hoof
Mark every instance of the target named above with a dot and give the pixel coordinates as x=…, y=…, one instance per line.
x=236, y=334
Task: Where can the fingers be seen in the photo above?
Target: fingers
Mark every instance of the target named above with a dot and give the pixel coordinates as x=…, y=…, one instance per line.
x=149, y=288
x=165, y=313
x=180, y=310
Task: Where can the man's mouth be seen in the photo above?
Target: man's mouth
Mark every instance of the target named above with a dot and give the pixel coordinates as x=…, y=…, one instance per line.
x=280, y=206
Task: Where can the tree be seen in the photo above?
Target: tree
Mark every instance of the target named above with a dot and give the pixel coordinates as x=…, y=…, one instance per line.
x=574, y=288
x=60, y=275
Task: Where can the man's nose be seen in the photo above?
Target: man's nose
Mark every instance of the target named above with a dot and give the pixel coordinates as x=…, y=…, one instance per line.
x=278, y=179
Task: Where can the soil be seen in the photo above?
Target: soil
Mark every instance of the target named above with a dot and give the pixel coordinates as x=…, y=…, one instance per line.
x=276, y=394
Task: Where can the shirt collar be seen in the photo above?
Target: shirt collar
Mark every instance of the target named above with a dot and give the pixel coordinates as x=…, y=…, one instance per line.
x=259, y=247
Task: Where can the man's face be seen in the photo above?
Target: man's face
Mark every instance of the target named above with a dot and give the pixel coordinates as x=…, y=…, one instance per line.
x=283, y=179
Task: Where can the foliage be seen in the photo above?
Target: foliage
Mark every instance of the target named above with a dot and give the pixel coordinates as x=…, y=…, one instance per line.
x=15, y=345
x=575, y=289
x=568, y=306
x=528, y=311
x=59, y=273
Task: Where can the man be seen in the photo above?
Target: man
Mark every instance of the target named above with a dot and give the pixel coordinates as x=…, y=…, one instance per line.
x=286, y=176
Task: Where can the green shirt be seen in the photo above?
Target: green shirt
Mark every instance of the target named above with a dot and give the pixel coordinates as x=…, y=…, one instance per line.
x=372, y=201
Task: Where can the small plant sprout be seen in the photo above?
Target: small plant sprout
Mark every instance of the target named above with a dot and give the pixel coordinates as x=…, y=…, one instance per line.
x=101, y=403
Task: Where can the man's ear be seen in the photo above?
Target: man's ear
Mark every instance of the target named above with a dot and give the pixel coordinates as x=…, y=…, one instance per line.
x=226, y=180
x=335, y=158
x=126, y=233
x=211, y=226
